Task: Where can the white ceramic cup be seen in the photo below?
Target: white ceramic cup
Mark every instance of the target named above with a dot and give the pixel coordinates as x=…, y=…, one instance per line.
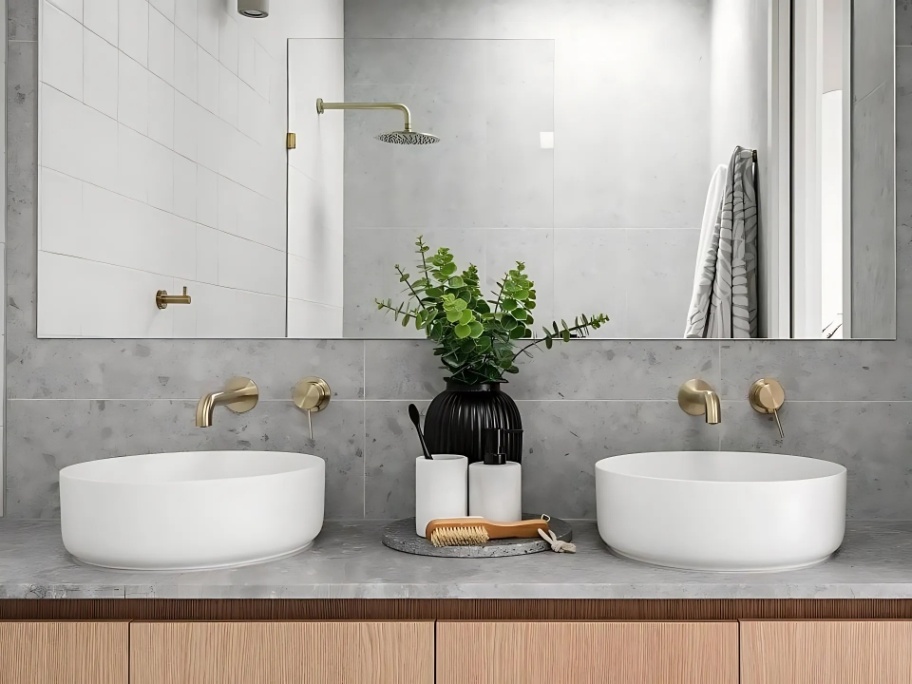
x=440, y=489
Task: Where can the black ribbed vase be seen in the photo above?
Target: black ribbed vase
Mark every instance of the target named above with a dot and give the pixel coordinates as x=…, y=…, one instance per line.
x=457, y=416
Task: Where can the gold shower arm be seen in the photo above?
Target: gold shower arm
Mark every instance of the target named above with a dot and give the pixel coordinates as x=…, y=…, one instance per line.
x=322, y=106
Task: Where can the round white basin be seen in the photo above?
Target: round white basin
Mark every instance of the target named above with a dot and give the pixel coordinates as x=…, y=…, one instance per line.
x=721, y=511
x=191, y=511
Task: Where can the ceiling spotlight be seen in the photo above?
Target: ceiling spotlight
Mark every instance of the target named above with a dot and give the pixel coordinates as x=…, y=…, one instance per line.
x=255, y=9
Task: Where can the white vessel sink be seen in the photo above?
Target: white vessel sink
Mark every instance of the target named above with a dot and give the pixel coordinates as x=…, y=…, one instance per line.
x=721, y=511
x=191, y=511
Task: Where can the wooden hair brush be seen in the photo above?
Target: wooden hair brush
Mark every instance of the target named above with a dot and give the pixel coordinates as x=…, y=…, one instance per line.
x=478, y=531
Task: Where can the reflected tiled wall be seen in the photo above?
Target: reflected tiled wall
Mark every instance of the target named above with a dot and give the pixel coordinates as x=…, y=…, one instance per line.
x=159, y=170
x=585, y=154
x=69, y=401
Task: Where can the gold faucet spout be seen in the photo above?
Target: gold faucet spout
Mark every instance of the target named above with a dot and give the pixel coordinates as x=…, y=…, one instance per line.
x=713, y=408
x=240, y=395
x=698, y=398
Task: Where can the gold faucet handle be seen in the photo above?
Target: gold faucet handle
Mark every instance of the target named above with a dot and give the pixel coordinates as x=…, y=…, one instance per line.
x=767, y=396
x=311, y=395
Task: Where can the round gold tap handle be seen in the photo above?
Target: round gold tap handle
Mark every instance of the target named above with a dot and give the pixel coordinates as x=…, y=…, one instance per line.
x=768, y=396
x=311, y=395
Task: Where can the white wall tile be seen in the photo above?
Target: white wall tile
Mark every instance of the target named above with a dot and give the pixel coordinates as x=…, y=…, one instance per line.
x=228, y=192
x=133, y=95
x=101, y=17
x=228, y=96
x=185, y=17
x=250, y=113
x=132, y=155
x=206, y=197
x=207, y=81
x=100, y=69
x=210, y=14
x=225, y=312
x=207, y=254
x=161, y=111
x=306, y=317
x=133, y=33
x=212, y=140
x=236, y=255
x=228, y=44
x=161, y=46
x=166, y=7
x=247, y=58
x=157, y=145
x=264, y=67
x=186, y=126
x=61, y=131
x=61, y=210
x=61, y=57
x=184, y=188
x=99, y=148
x=76, y=281
x=185, y=64
x=160, y=177
x=71, y=7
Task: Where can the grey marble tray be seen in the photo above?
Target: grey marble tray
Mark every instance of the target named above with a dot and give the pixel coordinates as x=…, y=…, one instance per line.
x=400, y=535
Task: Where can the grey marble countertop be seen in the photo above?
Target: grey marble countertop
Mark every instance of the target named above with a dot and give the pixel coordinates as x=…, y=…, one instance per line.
x=348, y=561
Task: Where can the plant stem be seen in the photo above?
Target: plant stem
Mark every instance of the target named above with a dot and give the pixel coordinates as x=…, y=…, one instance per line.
x=411, y=289
x=384, y=305
x=552, y=337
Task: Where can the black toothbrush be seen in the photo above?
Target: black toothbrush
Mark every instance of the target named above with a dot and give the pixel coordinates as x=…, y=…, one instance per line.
x=416, y=419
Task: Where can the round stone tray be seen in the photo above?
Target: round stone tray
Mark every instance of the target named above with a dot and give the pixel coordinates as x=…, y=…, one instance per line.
x=400, y=535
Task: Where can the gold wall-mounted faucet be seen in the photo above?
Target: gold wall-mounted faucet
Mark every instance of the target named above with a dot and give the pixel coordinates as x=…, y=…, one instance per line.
x=697, y=397
x=240, y=395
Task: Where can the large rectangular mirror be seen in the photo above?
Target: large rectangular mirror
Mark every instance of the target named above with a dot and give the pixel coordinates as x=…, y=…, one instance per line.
x=690, y=168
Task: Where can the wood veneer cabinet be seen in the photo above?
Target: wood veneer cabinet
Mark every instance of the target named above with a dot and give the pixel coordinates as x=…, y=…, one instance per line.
x=583, y=652
x=64, y=652
x=282, y=652
x=835, y=652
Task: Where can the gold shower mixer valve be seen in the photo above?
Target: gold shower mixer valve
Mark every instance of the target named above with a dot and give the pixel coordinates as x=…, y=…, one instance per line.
x=767, y=396
x=311, y=395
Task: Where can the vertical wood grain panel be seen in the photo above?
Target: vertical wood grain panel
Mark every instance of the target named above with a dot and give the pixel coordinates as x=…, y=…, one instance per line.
x=581, y=652
x=281, y=652
x=64, y=652
x=396, y=653
x=850, y=652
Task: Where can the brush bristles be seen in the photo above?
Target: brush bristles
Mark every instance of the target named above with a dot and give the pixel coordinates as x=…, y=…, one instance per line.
x=470, y=535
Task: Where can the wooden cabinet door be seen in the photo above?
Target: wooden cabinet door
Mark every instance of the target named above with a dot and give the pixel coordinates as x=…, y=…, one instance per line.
x=587, y=652
x=834, y=652
x=64, y=652
x=282, y=652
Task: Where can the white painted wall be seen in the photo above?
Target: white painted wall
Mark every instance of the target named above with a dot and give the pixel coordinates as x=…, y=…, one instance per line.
x=740, y=115
x=832, y=237
x=315, y=187
x=162, y=164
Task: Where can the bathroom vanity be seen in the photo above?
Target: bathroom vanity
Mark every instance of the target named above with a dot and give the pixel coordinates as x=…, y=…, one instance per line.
x=351, y=610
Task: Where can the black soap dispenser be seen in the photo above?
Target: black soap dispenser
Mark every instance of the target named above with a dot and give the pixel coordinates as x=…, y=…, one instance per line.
x=495, y=484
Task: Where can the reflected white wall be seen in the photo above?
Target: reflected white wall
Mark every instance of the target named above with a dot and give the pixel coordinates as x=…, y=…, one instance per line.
x=831, y=214
x=315, y=237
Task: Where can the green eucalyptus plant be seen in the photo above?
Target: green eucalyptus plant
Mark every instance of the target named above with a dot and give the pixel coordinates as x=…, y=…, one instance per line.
x=476, y=337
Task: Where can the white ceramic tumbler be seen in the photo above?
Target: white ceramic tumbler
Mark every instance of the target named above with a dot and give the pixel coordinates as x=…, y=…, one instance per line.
x=440, y=489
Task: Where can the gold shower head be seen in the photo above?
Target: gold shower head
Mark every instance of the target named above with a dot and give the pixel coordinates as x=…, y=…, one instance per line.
x=404, y=137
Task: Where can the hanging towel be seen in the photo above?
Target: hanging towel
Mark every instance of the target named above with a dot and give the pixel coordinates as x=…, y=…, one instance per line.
x=726, y=304
x=706, y=252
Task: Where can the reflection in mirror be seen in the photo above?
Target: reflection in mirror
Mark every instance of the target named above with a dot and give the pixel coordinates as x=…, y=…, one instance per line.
x=683, y=166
